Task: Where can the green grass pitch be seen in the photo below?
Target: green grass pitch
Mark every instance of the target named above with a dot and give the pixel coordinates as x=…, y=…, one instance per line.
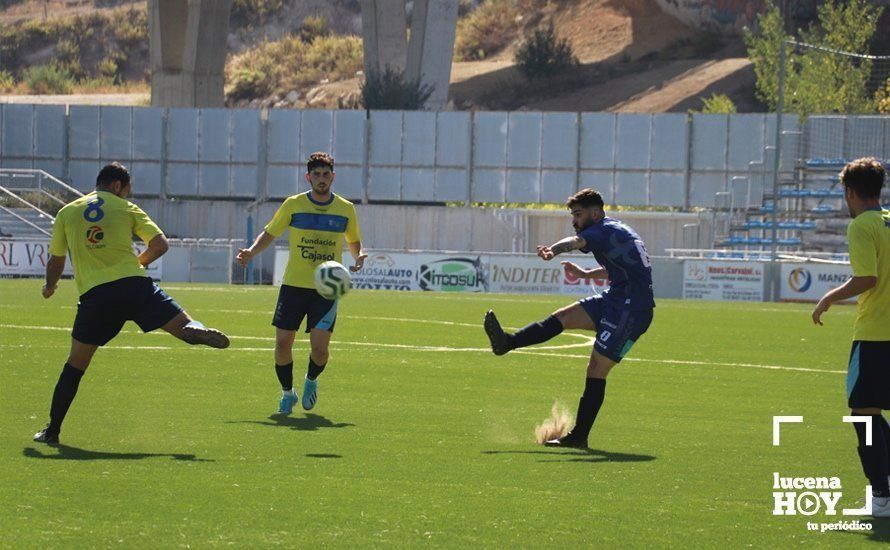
x=421, y=436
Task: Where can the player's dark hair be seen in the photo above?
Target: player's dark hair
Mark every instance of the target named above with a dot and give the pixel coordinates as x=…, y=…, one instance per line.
x=111, y=173
x=585, y=198
x=319, y=159
x=865, y=176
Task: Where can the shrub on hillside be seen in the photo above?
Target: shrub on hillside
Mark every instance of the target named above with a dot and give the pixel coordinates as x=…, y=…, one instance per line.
x=255, y=12
x=78, y=41
x=336, y=57
x=248, y=83
x=290, y=63
x=130, y=28
x=543, y=54
x=717, y=104
x=7, y=82
x=389, y=90
x=48, y=79
x=98, y=85
x=312, y=28
x=486, y=30
x=108, y=67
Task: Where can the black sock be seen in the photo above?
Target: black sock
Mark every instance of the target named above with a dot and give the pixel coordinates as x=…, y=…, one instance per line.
x=589, y=406
x=535, y=333
x=885, y=426
x=285, y=375
x=874, y=456
x=66, y=389
x=314, y=370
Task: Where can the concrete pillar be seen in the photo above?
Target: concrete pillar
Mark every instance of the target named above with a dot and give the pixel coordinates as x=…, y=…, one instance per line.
x=187, y=43
x=384, y=34
x=433, y=25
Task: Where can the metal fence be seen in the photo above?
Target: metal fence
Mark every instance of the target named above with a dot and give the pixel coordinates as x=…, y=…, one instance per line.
x=408, y=156
x=528, y=157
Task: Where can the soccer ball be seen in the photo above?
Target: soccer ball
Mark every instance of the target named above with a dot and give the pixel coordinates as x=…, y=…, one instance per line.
x=332, y=280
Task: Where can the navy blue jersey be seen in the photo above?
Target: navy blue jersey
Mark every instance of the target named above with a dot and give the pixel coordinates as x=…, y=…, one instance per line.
x=620, y=250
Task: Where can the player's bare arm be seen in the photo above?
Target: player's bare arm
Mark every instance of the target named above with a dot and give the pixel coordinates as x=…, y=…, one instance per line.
x=157, y=247
x=54, y=267
x=358, y=255
x=850, y=289
x=262, y=242
x=579, y=272
x=561, y=247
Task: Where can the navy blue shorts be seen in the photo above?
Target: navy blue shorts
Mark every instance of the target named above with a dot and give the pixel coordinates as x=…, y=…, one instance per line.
x=868, y=378
x=295, y=303
x=617, y=328
x=103, y=310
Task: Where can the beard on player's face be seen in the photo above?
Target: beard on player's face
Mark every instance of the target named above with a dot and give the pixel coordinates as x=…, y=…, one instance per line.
x=583, y=219
x=321, y=182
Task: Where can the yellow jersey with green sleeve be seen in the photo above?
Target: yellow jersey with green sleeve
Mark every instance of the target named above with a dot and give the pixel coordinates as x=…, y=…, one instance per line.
x=316, y=231
x=869, y=238
x=97, y=230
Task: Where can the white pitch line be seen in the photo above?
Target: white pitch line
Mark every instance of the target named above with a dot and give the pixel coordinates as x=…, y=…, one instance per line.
x=690, y=362
x=266, y=312
x=382, y=346
x=141, y=348
x=588, y=340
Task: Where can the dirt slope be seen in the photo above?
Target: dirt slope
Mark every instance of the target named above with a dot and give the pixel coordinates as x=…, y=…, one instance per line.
x=602, y=29
x=633, y=40
x=674, y=87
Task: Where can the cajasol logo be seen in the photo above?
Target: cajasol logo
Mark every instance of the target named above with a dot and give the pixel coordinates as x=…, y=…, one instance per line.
x=800, y=279
x=453, y=275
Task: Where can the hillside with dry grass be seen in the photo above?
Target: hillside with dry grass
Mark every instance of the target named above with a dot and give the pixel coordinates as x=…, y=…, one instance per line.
x=308, y=54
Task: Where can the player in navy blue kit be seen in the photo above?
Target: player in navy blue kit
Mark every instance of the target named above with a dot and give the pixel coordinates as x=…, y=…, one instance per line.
x=619, y=316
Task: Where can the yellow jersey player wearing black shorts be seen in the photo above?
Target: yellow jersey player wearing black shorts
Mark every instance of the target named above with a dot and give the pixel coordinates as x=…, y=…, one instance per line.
x=868, y=377
x=97, y=230
x=317, y=223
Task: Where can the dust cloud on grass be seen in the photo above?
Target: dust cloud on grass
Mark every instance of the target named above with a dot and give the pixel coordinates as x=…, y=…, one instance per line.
x=556, y=426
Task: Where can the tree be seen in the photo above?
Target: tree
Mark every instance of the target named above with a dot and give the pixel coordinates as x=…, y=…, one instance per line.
x=817, y=80
x=764, y=50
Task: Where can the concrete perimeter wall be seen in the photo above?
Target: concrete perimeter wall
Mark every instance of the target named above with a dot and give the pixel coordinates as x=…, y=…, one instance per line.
x=410, y=227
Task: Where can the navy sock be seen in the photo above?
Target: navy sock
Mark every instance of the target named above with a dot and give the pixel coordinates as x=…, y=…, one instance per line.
x=314, y=370
x=535, y=333
x=285, y=375
x=589, y=406
x=66, y=389
x=874, y=456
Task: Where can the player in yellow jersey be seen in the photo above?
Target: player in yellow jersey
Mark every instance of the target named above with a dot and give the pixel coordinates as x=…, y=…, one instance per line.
x=97, y=230
x=868, y=377
x=317, y=223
